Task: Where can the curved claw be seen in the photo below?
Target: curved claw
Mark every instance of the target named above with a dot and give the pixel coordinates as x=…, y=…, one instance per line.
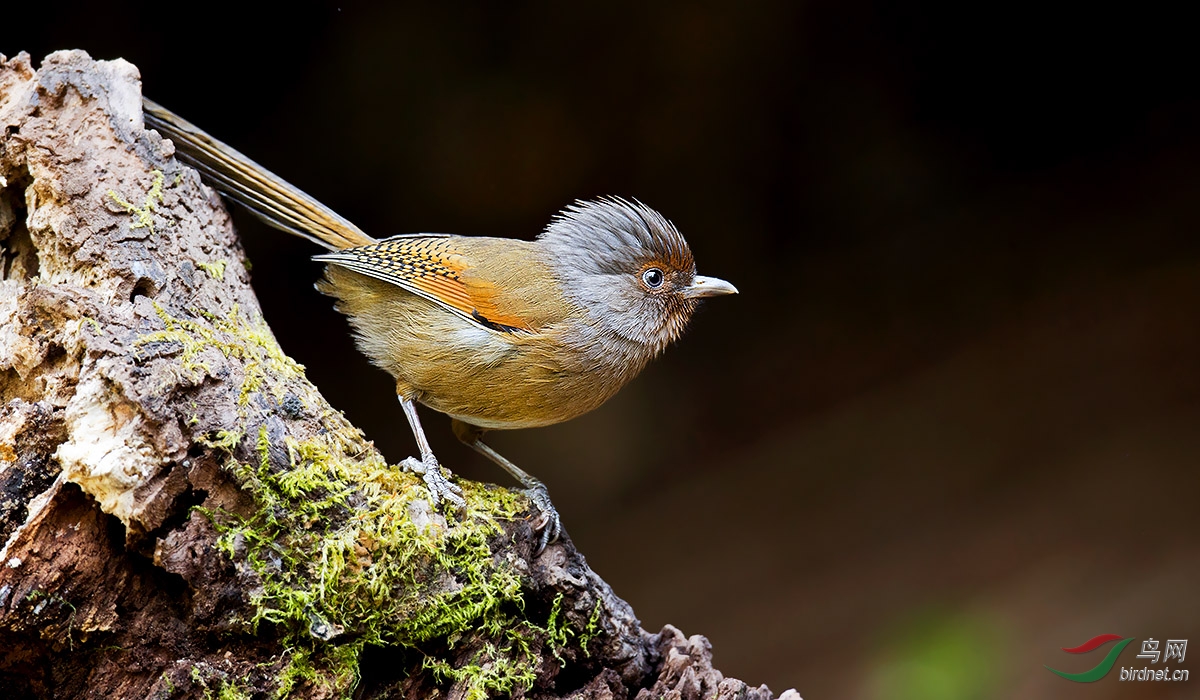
x=550, y=524
x=440, y=488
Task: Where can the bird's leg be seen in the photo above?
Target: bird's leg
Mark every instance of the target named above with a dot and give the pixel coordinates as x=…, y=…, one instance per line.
x=440, y=488
x=549, y=524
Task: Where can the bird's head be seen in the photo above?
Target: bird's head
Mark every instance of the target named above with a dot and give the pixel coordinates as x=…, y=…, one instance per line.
x=629, y=268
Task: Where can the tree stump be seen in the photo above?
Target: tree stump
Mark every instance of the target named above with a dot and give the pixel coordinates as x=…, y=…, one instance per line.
x=183, y=514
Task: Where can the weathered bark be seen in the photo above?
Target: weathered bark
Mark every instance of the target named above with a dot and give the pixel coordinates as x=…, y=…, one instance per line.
x=182, y=513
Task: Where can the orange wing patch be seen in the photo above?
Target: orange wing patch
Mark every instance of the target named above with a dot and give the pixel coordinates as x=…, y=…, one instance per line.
x=430, y=266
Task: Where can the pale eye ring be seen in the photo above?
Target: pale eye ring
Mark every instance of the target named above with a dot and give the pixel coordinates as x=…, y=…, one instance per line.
x=653, y=278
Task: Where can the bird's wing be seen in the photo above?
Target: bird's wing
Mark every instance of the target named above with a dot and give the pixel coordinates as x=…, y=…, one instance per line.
x=437, y=267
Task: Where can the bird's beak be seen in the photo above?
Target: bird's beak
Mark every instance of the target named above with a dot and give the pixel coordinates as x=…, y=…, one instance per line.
x=708, y=287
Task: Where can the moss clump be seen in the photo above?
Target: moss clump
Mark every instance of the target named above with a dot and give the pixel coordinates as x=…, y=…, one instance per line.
x=215, y=269
x=143, y=215
x=337, y=545
x=509, y=660
x=346, y=549
x=215, y=684
x=233, y=335
x=492, y=669
x=334, y=666
x=591, y=630
x=350, y=555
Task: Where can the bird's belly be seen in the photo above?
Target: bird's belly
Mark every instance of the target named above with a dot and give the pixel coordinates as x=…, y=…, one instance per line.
x=505, y=382
x=501, y=423
x=491, y=379
x=517, y=392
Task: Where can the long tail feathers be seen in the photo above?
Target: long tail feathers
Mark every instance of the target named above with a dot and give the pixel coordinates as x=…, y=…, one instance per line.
x=268, y=196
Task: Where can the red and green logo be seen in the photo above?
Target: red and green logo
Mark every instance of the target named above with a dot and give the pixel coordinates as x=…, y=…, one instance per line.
x=1100, y=669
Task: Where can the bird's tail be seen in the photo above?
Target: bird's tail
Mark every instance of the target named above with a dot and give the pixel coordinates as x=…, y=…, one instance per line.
x=269, y=196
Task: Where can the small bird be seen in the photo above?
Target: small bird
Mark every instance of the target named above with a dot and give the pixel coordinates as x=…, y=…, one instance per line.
x=496, y=333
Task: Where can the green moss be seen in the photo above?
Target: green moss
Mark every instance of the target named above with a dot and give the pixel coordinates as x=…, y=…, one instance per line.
x=231, y=691
x=333, y=668
x=298, y=670
x=233, y=335
x=345, y=547
x=144, y=214
x=225, y=440
x=218, y=686
x=591, y=630
x=349, y=555
x=369, y=568
x=215, y=269
x=93, y=323
x=42, y=598
x=558, y=633
x=492, y=670
x=509, y=661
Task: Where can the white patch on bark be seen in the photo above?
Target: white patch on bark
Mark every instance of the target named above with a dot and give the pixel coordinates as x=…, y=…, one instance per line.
x=16, y=350
x=105, y=452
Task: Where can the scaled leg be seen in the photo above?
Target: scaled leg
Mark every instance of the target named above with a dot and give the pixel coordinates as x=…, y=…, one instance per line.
x=440, y=488
x=550, y=524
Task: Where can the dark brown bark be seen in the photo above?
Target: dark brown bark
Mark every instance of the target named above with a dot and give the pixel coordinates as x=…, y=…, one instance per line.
x=181, y=512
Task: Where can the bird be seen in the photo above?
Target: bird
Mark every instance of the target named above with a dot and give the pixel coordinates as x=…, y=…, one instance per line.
x=496, y=333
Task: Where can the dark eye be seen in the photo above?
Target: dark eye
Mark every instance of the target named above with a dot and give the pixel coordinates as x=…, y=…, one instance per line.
x=653, y=278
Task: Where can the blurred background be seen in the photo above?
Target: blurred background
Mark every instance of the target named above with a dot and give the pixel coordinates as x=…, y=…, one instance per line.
x=952, y=422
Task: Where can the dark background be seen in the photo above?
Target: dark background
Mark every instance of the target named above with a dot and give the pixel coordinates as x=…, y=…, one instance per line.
x=951, y=423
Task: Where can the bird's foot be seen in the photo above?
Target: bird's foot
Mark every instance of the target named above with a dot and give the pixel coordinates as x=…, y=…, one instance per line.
x=549, y=523
x=440, y=488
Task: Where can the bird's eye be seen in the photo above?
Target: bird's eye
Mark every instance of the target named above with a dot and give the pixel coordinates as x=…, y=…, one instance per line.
x=653, y=278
